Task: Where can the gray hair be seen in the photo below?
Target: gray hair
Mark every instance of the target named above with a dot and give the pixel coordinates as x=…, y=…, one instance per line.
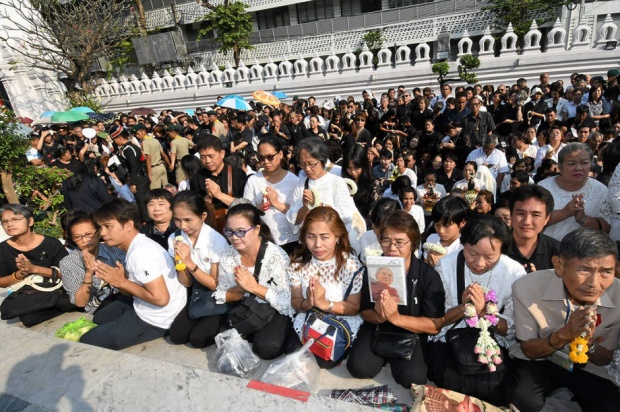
x=17, y=209
x=572, y=148
x=587, y=243
x=489, y=139
x=315, y=148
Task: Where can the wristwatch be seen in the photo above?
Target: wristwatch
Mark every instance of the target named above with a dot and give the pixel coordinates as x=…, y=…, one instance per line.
x=582, y=220
x=592, y=349
x=331, y=306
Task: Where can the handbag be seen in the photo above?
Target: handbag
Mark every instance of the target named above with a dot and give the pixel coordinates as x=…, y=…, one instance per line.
x=462, y=341
x=394, y=342
x=332, y=335
x=252, y=315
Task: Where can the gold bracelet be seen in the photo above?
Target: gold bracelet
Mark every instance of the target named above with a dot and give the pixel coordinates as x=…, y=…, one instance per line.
x=15, y=277
x=87, y=283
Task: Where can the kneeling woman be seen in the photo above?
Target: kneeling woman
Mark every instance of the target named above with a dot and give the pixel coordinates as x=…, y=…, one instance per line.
x=474, y=278
x=253, y=270
x=199, y=248
x=385, y=320
x=321, y=272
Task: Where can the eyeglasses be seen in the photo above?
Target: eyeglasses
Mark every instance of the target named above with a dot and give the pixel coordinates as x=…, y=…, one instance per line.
x=386, y=243
x=407, y=95
x=85, y=236
x=270, y=157
x=228, y=232
x=475, y=104
x=350, y=107
x=360, y=120
x=12, y=220
x=309, y=165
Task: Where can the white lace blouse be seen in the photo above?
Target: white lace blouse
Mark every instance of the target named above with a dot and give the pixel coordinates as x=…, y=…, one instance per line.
x=281, y=229
x=335, y=288
x=595, y=193
x=499, y=278
x=272, y=276
x=611, y=208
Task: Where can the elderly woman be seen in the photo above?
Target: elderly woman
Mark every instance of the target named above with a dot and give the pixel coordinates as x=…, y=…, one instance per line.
x=253, y=269
x=399, y=237
x=85, y=289
x=472, y=278
x=321, y=188
x=579, y=298
x=325, y=274
x=570, y=190
x=23, y=254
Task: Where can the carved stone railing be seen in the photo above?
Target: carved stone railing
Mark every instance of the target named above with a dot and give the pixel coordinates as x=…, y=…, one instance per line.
x=358, y=69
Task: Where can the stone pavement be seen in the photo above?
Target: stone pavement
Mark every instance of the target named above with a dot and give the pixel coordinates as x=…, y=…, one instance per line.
x=43, y=373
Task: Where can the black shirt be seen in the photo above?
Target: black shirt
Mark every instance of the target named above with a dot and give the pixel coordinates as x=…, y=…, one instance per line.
x=161, y=238
x=546, y=248
x=47, y=254
x=448, y=182
x=239, y=178
x=478, y=127
x=429, y=298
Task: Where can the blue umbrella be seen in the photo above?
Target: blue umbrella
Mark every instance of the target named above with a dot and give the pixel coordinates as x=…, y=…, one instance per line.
x=234, y=101
x=48, y=113
x=280, y=95
x=82, y=109
x=190, y=112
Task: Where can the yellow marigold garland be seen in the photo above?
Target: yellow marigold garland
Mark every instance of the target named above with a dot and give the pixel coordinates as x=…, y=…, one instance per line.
x=579, y=349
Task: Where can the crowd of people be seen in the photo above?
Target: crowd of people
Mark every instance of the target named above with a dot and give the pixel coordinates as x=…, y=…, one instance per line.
x=503, y=202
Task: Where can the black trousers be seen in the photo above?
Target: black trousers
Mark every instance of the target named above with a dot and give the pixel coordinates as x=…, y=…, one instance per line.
x=119, y=327
x=143, y=186
x=530, y=382
x=199, y=332
x=268, y=343
x=443, y=371
x=364, y=364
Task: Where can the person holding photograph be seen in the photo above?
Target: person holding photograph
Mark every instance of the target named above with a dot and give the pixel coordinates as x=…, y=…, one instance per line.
x=386, y=322
x=384, y=278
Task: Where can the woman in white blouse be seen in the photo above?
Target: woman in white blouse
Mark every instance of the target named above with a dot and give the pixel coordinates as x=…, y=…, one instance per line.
x=237, y=277
x=321, y=272
x=321, y=188
x=271, y=190
x=485, y=268
x=198, y=246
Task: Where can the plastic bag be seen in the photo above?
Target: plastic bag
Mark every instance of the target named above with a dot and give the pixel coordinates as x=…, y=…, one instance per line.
x=234, y=355
x=297, y=370
x=74, y=330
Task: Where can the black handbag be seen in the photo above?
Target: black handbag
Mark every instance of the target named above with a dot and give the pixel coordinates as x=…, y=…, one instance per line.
x=462, y=341
x=396, y=343
x=252, y=315
x=202, y=303
x=24, y=302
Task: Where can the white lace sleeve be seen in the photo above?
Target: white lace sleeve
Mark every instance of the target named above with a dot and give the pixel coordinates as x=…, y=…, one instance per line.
x=273, y=276
x=225, y=277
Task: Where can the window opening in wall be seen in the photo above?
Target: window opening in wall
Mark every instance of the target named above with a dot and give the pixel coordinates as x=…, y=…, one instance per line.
x=315, y=10
x=272, y=18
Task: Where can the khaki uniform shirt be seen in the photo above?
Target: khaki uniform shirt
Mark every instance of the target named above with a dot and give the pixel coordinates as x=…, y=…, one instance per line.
x=540, y=308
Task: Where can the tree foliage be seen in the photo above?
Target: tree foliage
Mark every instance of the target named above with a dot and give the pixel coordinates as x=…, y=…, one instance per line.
x=520, y=13
x=65, y=36
x=233, y=25
x=466, y=67
x=13, y=147
x=374, y=40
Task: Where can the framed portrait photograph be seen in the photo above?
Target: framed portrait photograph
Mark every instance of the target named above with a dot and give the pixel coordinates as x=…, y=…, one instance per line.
x=387, y=273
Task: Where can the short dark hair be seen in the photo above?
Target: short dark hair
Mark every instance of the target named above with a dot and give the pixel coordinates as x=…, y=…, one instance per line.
x=159, y=194
x=403, y=222
x=383, y=208
x=210, y=142
x=587, y=243
x=521, y=176
x=450, y=210
x=526, y=192
x=120, y=210
x=386, y=153
x=486, y=226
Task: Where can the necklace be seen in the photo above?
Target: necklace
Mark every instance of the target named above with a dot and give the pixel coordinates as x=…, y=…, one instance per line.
x=472, y=278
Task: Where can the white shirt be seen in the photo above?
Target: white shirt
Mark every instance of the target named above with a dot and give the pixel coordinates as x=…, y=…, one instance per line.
x=145, y=262
x=272, y=276
x=611, y=208
x=595, y=194
x=464, y=183
x=370, y=246
x=499, y=278
x=542, y=153
x=282, y=230
x=207, y=250
x=531, y=151
x=434, y=238
x=496, y=161
x=418, y=214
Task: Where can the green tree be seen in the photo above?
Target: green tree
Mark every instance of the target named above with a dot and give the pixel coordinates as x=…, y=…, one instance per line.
x=13, y=147
x=521, y=13
x=233, y=25
x=65, y=36
x=466, y=67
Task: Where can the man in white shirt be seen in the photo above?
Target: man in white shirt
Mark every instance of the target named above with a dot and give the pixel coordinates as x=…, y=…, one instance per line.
x=489, y=156
x=446, y=92
x=149, y=278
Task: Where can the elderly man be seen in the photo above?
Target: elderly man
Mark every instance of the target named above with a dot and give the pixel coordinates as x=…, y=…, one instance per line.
x=579, y=298
x=477, y=124
x=489, y=156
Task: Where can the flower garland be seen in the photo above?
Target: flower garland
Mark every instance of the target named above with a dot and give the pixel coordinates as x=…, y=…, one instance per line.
x=579, y=349
x=486, y=347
